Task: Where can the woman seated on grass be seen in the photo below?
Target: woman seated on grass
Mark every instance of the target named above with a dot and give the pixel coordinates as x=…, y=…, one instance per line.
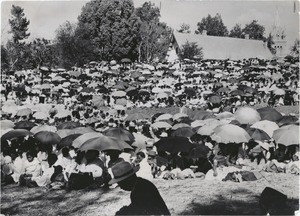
x=32, y=168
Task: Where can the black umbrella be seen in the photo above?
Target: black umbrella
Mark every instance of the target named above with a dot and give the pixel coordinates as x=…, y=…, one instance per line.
x=15, y=134
x=269, y=113
x=183, y=132
x=24, y=125
x=67, y=141
x=257, y=134
x=68, y=125
x=174, y=144
x=287, y=120
x=190, y=91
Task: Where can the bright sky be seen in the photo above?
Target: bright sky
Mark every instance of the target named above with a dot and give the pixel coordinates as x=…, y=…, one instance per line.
x=46, y=16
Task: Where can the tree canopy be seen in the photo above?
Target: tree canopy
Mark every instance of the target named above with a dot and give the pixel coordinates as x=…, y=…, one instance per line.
x=213, y=25
x=255, y=30
x=184, y=28
x=19, y=24
x=190, y=50
x=154, y=35
x=112, y=27
x=236, y=31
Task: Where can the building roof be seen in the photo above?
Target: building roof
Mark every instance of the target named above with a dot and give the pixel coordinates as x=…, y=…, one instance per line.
x=215, y=47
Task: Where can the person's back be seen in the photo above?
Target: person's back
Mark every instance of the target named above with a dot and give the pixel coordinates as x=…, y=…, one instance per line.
x=146, y=197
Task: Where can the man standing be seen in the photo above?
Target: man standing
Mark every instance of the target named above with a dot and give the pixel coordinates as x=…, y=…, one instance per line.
x=145, y=198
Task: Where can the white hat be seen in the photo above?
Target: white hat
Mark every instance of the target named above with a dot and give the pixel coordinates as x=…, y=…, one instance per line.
x=163, y=134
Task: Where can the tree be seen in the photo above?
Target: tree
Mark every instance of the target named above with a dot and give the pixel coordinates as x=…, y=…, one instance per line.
x=73, y=48
x=154, y=35
x=270, y=43
x=295, y=48
x=4, y=59
x=213, y=25
x=112, y=27
x=184, y=28
x=190, y=51
x=19, y=24
x=254, y=30
x=236, y=31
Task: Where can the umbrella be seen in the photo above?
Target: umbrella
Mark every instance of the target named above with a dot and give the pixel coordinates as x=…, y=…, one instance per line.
x=197, y=123
x=118, y=94
x=287, y=120
x=215, y=99
x=225, y=115
x=268, y=113
x=63, y=114
x=287, y=135
x=132, y=92
x=47, y=138
x=87, y=90
x=45, y=86
x=84, y=137
x=223, y=89
x=174, y=144
x=206, y=130
x=119, y=107
x=24, y=125
x=64, y=132
x=137, y=116
x=121, y=101
x=268, y=126
x=180, y=125
x=190, y=91
x=68, y=125
x=161, y=124
x=279, y=92
x=104, y=143
x=237, y=93
x=230, y=134
x=140, y=140
x=200, y=151
x=6, y=124
x=177, y=116
x=163, y=117
x=41, y=115
x=257, y=134
x=82, y=130
x=24, y=112
x=162, y=95
x=247, y=89
x=39, y=128
x=125, y=60
x=15, y=134
x=201, y=115
x=120, y=134
x=247, y=115
x=67, y=141
x=183, y=132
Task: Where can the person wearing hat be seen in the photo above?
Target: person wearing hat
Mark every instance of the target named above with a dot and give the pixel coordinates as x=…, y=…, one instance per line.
x=145, y=198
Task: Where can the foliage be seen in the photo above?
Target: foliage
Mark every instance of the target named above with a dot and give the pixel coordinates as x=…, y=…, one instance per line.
x=19, y=24
x=112, y=27
x=154, y=35
x=254, y=30
x=236, y=31
x=270, y=42
x=190, y=50
x=295, y=48
x=4, y=59
x=184, y=28
x=213, y=25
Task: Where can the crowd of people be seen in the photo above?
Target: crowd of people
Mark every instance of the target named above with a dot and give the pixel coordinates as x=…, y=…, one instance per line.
x=68, y=129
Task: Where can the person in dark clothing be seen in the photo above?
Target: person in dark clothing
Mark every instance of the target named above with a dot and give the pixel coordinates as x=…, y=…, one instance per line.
x=145, y=198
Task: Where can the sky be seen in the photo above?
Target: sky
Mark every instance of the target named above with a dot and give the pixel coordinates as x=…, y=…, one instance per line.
x=46, y=16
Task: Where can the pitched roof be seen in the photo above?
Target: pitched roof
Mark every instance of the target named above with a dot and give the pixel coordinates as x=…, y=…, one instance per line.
x=215, y=47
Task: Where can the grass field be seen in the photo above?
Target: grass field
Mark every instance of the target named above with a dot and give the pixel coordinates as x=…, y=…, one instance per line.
x=183, y=197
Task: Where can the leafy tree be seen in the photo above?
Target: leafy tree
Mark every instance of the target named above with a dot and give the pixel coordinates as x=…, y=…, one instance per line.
x=236, y=31
x=42, y=52
x=19, y=24
x=295, y=48
x=190, y=50
x=270, y=43
x=4, y=59
x=184, y=28
x=254, y=30
x=213, y=25
x=112, y=27
x=154, y=35
x=72, y=46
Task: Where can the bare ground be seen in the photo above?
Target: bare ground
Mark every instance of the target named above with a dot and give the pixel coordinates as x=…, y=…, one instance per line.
x=183, y=197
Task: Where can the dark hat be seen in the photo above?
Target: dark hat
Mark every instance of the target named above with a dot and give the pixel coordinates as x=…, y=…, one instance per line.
x=122, y=171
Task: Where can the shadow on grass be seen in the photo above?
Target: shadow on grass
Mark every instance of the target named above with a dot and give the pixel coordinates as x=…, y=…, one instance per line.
x=225, y=205
x=40, y=201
